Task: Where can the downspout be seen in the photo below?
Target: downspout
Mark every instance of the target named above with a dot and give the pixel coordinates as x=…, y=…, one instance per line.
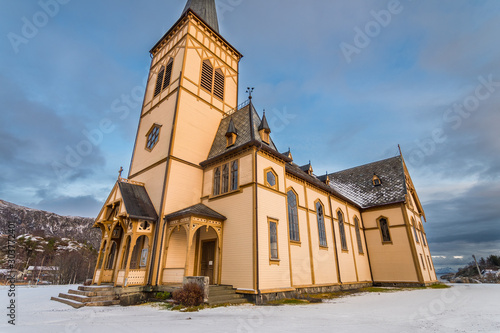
x=164, y=191
x=257, y=221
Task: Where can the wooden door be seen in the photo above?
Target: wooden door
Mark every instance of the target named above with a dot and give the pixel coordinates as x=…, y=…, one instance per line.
x=208, y=260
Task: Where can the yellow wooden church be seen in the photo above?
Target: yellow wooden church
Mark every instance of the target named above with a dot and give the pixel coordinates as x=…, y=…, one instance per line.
x=209, y=194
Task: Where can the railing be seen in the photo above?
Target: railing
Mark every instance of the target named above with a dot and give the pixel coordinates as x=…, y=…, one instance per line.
x=136, y=277
x=107, y=276
x=242, y=105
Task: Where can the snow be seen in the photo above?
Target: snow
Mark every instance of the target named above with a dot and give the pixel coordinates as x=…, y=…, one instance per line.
x=462, y=308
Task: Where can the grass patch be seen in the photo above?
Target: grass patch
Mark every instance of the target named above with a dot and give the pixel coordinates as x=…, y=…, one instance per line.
x=289, y=301
x=439, y=286
x=332, y=295
x=380, y=290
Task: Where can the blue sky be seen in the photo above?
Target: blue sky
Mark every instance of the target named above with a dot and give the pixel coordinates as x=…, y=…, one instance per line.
x=343, y=83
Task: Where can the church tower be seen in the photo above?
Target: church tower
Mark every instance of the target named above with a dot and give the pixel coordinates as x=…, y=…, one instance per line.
x=192, y=84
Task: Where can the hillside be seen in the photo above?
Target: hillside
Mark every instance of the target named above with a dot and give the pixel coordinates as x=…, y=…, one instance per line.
x=42, y=223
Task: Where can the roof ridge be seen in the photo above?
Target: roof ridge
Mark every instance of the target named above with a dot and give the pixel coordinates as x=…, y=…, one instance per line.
x=367, y=164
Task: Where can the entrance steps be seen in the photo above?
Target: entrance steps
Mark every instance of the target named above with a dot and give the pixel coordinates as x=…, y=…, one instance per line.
x=89, y=296
x=224, y=295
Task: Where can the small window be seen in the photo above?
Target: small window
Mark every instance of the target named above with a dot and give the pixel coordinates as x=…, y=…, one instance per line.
x=234, y=176
x=422, y=235
x=423, y=262
x=225, y=178
x=217, y=181
x=293, y=219
x=271, y=179
x=219, y=84
x=415, y=230
x=207, y=75
x=159, y=81
x=430, y=263
x=321, y=224
x=384, y=229
x=343, y=239
x=153, y=137
x=376, y=181
x=358, y=235
x=273, y=240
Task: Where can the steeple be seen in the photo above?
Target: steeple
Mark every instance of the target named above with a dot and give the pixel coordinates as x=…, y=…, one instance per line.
x=206, y=10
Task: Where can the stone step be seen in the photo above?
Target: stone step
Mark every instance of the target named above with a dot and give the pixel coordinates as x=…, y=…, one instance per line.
x=86, y=299
x=218, y=292
x=96, y=288
x=230, y=301
x=76, y=305
x=91, y=293
x=228, y=297
x=221, y=287
x=103, y=303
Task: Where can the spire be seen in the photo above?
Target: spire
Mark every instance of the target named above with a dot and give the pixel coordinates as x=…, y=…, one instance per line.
x=263, y=124
x=205, y=9
x=231, y=129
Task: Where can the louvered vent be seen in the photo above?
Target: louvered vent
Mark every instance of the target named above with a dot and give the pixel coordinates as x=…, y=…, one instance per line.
x=159, y=81
x=168, y=74
x=207, y=75
x=219, y=84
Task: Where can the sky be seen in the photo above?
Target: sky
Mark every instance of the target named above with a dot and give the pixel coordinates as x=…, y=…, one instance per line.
x=342, y=82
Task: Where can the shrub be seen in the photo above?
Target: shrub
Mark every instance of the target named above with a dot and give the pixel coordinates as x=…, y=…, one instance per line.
x=164, y=295
x=191, y=294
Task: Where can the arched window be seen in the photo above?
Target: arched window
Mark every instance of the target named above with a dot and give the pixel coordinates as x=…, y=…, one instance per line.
x=225, y=178
x=101, y=257
x=384, y=230
x=168, y=74
x=422, y=234
x=321, y=224
x=234, y=175
x=414, y=226
x=217, y=181
x=125, y=254
x=159, y=81
x=219, y=81
x=273, y=240
x=140, y=253
x=293, y=219
x=358, y=235
x=343, y=239
x=111, y=256
x=207, y=75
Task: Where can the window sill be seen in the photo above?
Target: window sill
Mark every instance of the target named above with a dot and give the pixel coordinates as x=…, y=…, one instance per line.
x=387, y=243
x=274, y=261
x=321, y=247
x=296, y=243
x=213, y=197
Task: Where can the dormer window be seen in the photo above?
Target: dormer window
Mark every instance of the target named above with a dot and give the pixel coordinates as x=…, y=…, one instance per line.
x=264, y=129
x=376, y=181
x=231, y=134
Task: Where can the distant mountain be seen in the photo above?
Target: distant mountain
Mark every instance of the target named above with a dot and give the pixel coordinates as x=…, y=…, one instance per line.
x=445, y=270
x=39, y=222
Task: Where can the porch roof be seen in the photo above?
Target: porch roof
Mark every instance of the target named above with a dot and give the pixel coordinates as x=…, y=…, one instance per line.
x=198, y=210
x=137, y=202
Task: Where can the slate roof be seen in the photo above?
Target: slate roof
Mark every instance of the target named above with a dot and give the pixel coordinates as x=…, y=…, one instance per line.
x=137, y=202
x=247, y=121
x=199, y=210
x=205, y=9
x=356, y=183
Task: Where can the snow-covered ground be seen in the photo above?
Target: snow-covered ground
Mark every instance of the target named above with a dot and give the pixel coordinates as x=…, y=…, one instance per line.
x=463, y=308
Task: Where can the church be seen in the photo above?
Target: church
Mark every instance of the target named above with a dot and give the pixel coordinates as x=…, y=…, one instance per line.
x=209, y=194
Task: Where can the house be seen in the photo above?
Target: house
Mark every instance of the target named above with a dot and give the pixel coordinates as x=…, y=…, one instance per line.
x=209, y=194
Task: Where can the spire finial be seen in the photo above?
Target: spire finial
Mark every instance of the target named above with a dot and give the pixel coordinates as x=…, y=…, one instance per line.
x=249, y=92
x=120, y=173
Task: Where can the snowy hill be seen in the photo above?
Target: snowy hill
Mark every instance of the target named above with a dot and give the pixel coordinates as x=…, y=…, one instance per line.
x=33, y=221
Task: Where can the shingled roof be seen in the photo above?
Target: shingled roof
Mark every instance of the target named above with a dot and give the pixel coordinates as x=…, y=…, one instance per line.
x=247, y=121
x=356, y=183
x=137, y=202
x=198, y=210
x=206, y=9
